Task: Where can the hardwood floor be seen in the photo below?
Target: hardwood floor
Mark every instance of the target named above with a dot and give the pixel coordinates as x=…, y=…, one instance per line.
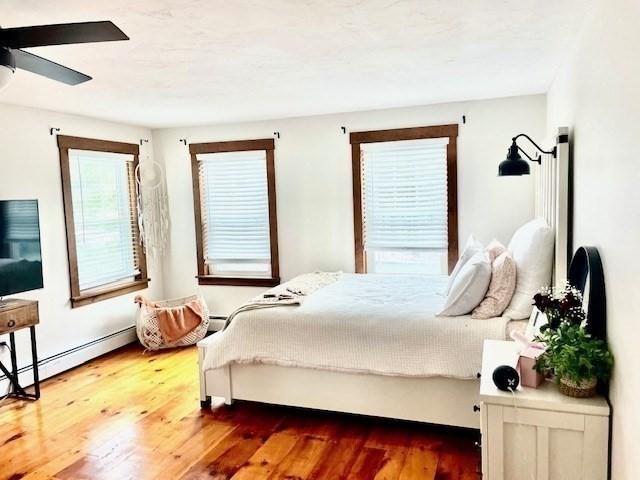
x=135, y=415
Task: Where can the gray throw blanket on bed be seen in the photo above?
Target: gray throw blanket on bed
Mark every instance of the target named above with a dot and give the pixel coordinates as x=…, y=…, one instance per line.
x=262, y=302
x=291, y=295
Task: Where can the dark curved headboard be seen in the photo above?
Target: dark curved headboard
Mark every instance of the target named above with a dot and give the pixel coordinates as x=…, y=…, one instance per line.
x=586, y=265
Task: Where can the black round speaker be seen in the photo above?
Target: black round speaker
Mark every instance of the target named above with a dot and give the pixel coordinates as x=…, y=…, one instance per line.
x=506, y=378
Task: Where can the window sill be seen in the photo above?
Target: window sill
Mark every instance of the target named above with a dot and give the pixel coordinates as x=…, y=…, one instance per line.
x=238, y=281
x=109, y=291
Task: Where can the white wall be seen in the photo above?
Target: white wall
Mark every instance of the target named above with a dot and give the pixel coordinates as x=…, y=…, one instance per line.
x=313, y=176
x=597, y=92
x=30, y=168
x=314, y=190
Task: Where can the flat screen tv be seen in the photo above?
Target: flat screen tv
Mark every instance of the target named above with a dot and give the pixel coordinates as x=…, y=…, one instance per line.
x=20, y=255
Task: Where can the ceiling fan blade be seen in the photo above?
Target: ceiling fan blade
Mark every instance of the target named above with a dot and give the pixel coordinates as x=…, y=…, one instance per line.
x=60, y=34
x=47, y=68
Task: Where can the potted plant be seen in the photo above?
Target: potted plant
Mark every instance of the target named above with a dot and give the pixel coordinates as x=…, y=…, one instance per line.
x=576, y=358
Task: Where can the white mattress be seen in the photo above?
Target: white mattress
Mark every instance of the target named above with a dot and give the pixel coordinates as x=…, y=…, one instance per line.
x=380, y=324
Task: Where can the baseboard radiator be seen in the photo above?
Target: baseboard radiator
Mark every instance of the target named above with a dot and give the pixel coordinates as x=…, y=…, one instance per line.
x=63, y=361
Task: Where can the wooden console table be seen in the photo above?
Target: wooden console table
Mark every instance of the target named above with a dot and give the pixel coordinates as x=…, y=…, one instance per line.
x=15, y=315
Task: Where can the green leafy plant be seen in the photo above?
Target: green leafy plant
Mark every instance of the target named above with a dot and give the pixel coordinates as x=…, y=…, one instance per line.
x=574, y=354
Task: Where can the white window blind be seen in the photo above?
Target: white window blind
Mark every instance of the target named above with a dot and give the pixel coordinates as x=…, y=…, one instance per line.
x=102, y=190
x=235, y=213
x=404, y=205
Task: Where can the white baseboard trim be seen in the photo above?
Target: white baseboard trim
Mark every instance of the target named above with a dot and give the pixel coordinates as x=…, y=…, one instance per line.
x=61, y=362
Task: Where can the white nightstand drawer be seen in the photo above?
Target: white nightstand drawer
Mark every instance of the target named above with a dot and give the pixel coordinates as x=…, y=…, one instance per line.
x=543, y=418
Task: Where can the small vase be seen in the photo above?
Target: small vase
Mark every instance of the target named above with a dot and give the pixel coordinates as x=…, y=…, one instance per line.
x=582, y=389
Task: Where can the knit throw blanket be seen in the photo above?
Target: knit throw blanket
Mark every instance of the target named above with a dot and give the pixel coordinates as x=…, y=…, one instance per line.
x=175, y=323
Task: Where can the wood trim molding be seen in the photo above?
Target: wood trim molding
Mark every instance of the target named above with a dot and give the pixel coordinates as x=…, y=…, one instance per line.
x=268, y=145
x=197, y=213
x=273, y=220
x=72, y=255
x=238, y=281
x=109, y=291
x=358, y=232
x=79, y=143
x=232, y=146
x=142, y=257
x=79, y=298
x=399, y=134
x=452, y=200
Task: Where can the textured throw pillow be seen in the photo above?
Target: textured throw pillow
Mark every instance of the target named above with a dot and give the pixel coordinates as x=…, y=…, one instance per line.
x=501, y=287
x=469, y=287
x=495, y=248
x=532, y=250
x=472, y=247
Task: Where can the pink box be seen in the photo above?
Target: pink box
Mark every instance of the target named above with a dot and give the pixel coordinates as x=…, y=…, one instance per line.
x=526, y=363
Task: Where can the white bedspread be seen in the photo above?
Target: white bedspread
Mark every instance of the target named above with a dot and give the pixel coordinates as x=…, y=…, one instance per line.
x=381, y=324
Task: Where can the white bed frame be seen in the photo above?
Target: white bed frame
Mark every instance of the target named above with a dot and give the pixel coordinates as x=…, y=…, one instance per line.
x=437, y=400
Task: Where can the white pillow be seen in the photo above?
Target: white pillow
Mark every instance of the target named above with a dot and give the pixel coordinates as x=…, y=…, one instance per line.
x=469, y=287
x=472, y=247
x=532, y=250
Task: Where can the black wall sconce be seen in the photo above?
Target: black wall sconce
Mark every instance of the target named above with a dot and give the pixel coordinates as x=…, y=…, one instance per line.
x=514, y=164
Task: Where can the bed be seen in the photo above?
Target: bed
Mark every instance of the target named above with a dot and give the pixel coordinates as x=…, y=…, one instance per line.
x=368, y=344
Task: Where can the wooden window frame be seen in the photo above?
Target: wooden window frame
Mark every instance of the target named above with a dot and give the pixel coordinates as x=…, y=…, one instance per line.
x=268, y=145
x=399, y=134
x=104, y=292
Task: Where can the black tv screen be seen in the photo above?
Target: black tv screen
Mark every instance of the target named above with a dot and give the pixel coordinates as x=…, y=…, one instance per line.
x=20, y=255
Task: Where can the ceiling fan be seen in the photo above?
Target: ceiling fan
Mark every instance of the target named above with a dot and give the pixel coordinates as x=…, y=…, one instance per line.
x=12, y=40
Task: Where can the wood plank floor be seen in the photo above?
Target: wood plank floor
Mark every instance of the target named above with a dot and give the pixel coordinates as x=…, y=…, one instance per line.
x=135, y=415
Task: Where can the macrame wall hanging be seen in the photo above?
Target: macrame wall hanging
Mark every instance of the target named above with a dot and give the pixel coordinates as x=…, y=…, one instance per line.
x=153, y=206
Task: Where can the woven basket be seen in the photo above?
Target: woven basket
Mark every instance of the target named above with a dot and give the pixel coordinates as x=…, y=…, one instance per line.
x=584, y=389
x=149, y=332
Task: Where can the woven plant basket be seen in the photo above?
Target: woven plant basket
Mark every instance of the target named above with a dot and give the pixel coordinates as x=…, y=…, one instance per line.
x=584, y=389
x=149, y=332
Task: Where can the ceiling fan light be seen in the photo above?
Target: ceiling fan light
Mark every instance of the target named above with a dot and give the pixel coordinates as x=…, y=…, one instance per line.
x=7, y=66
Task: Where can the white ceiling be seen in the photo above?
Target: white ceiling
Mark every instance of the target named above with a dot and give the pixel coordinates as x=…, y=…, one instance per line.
x=193, y=62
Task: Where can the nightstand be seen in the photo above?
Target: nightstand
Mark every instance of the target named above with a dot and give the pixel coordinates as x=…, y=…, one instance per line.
x=539, y=433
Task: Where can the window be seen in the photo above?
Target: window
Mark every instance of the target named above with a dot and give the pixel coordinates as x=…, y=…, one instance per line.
x=106, y=258
x=235, y=212
x=405, y=200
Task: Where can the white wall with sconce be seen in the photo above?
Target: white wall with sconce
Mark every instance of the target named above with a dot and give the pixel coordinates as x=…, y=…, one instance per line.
x=314, y=189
